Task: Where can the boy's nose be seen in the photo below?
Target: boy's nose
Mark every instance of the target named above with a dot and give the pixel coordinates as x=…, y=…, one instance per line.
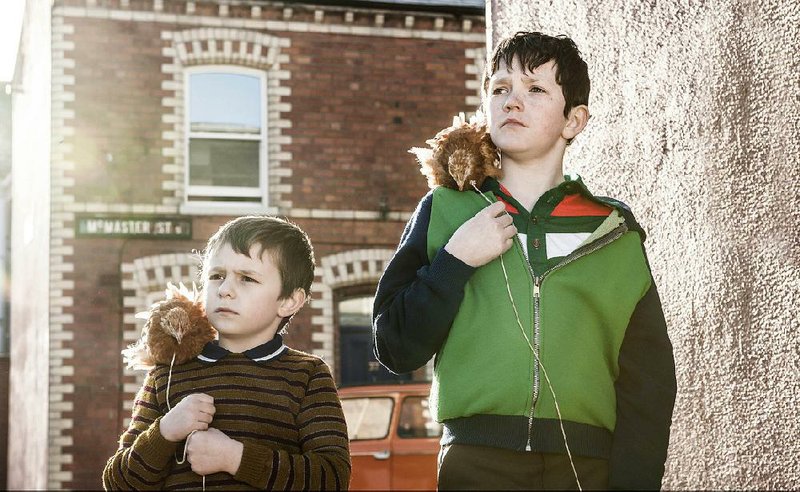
x=513, y=101
x=225, y=289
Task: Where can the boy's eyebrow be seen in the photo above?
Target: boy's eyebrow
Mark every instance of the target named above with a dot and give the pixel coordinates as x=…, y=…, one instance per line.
x=506, y=80
x=249, y=273
x=501, y=78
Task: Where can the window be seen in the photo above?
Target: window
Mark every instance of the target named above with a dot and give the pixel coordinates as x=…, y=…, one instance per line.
x=367, y=418
x=226, y=135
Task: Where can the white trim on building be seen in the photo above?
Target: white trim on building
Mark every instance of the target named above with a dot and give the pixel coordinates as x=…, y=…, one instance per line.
x=60, y=427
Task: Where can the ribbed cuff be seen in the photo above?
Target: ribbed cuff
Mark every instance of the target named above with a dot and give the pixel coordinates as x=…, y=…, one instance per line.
x=256, y=465
x=155, y=446
x=449, y=270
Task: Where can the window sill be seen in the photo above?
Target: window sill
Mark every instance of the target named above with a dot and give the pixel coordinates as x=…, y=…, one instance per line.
x=225, y=208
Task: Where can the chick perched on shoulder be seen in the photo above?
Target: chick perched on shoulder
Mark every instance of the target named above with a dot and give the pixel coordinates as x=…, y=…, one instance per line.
x=176, y=327
x=462, y=155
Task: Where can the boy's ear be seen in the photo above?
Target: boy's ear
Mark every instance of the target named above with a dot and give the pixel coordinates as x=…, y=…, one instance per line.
x=576, y=122
x=292, y=303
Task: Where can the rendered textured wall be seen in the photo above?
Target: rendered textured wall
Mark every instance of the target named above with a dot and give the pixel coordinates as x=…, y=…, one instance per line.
x=28, y=432
x=695, y=125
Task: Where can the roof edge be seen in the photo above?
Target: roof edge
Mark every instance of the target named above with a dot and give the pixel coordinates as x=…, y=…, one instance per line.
x=388, y=5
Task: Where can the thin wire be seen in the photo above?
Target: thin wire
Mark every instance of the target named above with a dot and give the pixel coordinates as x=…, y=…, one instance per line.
x=546, y=377
x=181, y=460
x=169, y=379
x=538, y=361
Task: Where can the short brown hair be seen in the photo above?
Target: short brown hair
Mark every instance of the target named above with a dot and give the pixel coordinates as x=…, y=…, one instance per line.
x=287, y=244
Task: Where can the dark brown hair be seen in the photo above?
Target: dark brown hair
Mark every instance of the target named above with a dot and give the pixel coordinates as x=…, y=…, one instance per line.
x=534, y=49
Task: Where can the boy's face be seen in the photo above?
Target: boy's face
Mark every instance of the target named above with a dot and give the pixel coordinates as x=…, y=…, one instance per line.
x=242, y=297
x=525, y=110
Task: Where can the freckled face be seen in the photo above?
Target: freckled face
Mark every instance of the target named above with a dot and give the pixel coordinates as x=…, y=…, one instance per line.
x=242, y=297
x=526, y=110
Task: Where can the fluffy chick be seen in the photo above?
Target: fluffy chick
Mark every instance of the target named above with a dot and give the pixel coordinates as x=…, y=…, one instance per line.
x=459, y=155
x=175, y=326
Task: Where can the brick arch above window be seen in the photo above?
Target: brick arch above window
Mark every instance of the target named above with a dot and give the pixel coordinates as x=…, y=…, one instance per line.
x=193, y=48
x=227, y=46
x=354, y=267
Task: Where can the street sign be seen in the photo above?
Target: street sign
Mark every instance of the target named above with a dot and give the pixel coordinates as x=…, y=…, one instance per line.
x=127, y=226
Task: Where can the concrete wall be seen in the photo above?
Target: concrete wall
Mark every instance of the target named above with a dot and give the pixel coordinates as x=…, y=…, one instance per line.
x=5, y=130
x=5, y=192
x=28, y=434
x=3, y=421
x=695, y=125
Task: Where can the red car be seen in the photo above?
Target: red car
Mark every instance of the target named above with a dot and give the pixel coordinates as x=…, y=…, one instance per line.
x=394, y=442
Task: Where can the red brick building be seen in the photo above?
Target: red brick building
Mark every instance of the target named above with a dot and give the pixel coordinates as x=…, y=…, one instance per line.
x=143, y=125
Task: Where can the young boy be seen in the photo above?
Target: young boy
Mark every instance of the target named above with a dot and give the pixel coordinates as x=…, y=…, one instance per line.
x=553, y=366
x=252, y=412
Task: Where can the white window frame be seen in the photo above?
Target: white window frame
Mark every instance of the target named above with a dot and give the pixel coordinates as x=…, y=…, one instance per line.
x=261, y=192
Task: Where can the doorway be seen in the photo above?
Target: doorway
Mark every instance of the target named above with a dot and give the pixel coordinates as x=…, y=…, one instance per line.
x=357, y=359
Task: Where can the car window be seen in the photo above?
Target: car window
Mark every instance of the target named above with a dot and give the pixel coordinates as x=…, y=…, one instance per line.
x=367, y=417
x=416, y=420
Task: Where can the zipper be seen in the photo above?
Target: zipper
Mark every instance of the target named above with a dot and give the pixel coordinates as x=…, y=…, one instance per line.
x=537, y=284
x=590, y=248
x=534, y=344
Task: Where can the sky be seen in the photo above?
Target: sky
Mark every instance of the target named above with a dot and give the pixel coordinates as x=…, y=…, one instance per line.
x=10, y=23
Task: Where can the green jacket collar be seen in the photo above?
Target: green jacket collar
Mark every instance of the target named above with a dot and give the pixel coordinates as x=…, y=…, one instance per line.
x=571, y=184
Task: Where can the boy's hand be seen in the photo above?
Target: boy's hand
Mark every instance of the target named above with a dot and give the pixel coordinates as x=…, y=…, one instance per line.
x=194, y=412
x=212, y=451
x=484, y=237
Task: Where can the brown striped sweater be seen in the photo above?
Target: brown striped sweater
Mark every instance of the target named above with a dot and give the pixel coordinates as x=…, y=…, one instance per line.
x=282, y=404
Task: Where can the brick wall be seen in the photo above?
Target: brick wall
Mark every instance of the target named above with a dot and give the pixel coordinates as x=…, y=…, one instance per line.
x=117, y=87
x=358, y=105
x=357, y=89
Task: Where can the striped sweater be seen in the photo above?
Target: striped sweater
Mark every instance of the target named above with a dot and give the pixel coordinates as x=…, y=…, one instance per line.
x=280, y=403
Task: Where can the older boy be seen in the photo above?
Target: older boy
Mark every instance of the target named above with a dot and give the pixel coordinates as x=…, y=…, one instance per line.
x=553, y=367
x=253, y=413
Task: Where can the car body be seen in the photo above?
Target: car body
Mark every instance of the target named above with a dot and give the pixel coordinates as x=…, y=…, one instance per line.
x=394, y=442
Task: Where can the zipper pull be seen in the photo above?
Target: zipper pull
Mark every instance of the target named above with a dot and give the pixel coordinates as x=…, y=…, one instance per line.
x=536, y=288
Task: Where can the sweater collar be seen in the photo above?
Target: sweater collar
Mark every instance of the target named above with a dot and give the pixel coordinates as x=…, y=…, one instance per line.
x=548, y=201
x=212, y=352
x=571, y=184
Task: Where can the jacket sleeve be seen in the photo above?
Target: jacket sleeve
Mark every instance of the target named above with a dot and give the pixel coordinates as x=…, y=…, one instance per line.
x=645, y=390
x=144, y=457
x=417, y=299
x=324, y=460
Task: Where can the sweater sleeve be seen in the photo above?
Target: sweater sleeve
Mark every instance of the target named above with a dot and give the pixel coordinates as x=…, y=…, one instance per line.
x=324, y=460
x=417, y=299
x=645, y=391
x=144, y=457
